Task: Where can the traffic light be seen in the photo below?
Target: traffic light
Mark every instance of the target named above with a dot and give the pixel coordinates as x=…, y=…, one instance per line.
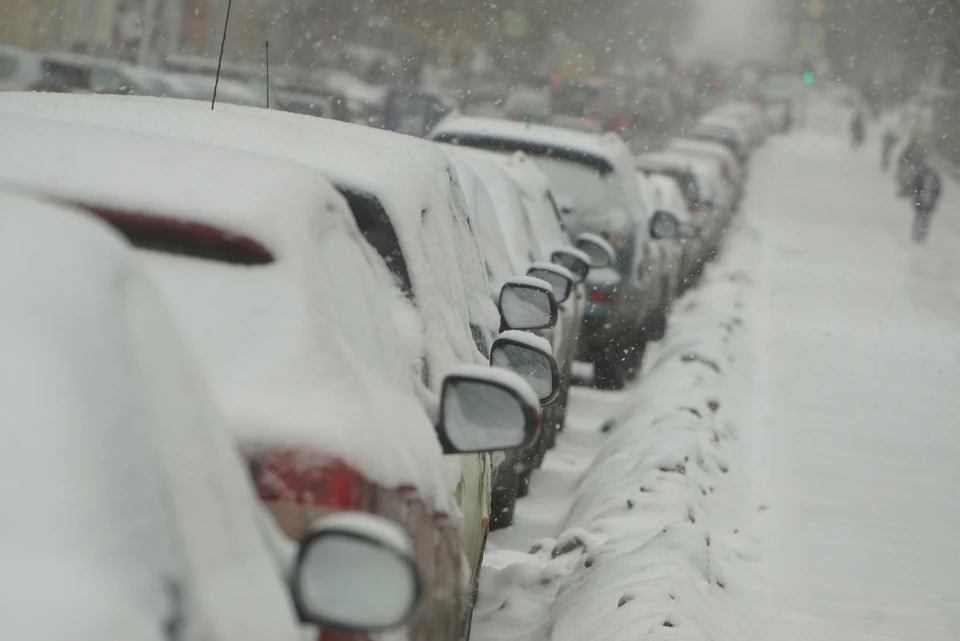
x=808, y=77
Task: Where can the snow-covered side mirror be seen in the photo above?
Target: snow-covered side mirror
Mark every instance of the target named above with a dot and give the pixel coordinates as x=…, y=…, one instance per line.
x=601, y=253
x=531, y=357
x=527, y=303
x=574, y=260
x=355, y=572
x=484, y=409
x=664, y=226
x=559, y=278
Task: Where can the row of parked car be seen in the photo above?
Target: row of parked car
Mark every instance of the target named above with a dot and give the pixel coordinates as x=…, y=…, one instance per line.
x=384, y=327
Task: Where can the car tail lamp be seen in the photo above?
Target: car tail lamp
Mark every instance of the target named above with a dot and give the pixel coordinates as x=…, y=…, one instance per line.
x=753, y=100
x=623, y=123
x=298, y=485
x=716, y=82
x=695, y=208
x=603, y=296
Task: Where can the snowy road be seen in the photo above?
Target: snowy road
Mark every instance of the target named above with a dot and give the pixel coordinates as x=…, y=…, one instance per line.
x=858, y=416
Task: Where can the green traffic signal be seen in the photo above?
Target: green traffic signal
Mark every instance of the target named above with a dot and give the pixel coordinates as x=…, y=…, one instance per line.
x=808, y=77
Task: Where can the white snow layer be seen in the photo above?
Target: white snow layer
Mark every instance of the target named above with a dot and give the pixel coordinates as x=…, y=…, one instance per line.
x=642, y=506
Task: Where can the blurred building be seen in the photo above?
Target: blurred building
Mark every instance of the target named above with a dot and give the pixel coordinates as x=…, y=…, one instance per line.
x=57, y=24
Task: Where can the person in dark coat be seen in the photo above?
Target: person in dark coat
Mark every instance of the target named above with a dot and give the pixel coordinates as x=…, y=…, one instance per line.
x=926, y=194
x=857, y=129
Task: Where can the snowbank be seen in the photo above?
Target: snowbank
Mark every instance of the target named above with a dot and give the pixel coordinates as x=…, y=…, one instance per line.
x=651, y=545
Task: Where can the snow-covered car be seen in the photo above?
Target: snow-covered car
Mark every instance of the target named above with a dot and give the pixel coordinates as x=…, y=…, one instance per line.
x=733, y=172
x=692, y=249
x=729, y=137
x=665, y=253
x=288, y=309
x=142, y=522
x=716, y=198
x=594, y=180
x=747, y=118
x=412, y=212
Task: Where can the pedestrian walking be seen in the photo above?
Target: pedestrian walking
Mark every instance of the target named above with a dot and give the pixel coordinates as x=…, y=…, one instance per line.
x=890, y=140
x=857, y=129
x=926, y=193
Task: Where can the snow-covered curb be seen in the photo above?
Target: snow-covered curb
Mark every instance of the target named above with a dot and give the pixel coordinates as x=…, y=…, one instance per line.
x=653, y=523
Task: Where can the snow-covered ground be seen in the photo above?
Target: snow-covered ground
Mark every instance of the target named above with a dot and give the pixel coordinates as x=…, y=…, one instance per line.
x=858, y=398
x=786, y=469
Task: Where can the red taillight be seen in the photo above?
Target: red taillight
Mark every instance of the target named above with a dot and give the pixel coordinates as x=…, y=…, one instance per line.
x=716, y=81
x=601, y=296
x=752, y=100
x=299, y=484
x=589, y=118
x=511, y=119
x=695, y=208
x=623, y=123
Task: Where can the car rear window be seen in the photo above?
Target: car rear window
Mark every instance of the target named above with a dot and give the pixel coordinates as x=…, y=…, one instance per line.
x=376, y=228
x=184, y=238
x=530, y=148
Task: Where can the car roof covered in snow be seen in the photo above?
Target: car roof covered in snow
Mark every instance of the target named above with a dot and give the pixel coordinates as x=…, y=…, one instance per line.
x=706, y=172
x=608, y=147
x=301, y=350
x=107, y=417
x=411, y=177
x=106, y=168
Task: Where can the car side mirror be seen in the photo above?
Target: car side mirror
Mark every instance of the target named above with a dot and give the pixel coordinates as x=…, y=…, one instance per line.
x=577, y=262
x=348, y=554
x=664, y=226
x=527, y=303
x=531, y=357
x=601, y=253
x=486, y=409
x=559, y=278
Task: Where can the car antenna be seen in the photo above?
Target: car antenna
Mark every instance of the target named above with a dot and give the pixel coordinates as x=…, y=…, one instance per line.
x=268, y=72
x=223, y=45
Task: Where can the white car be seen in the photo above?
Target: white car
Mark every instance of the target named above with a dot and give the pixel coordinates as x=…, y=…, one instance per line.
x=264, y=267
x=692, y=250
x=716, y=197
x=128, y=511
